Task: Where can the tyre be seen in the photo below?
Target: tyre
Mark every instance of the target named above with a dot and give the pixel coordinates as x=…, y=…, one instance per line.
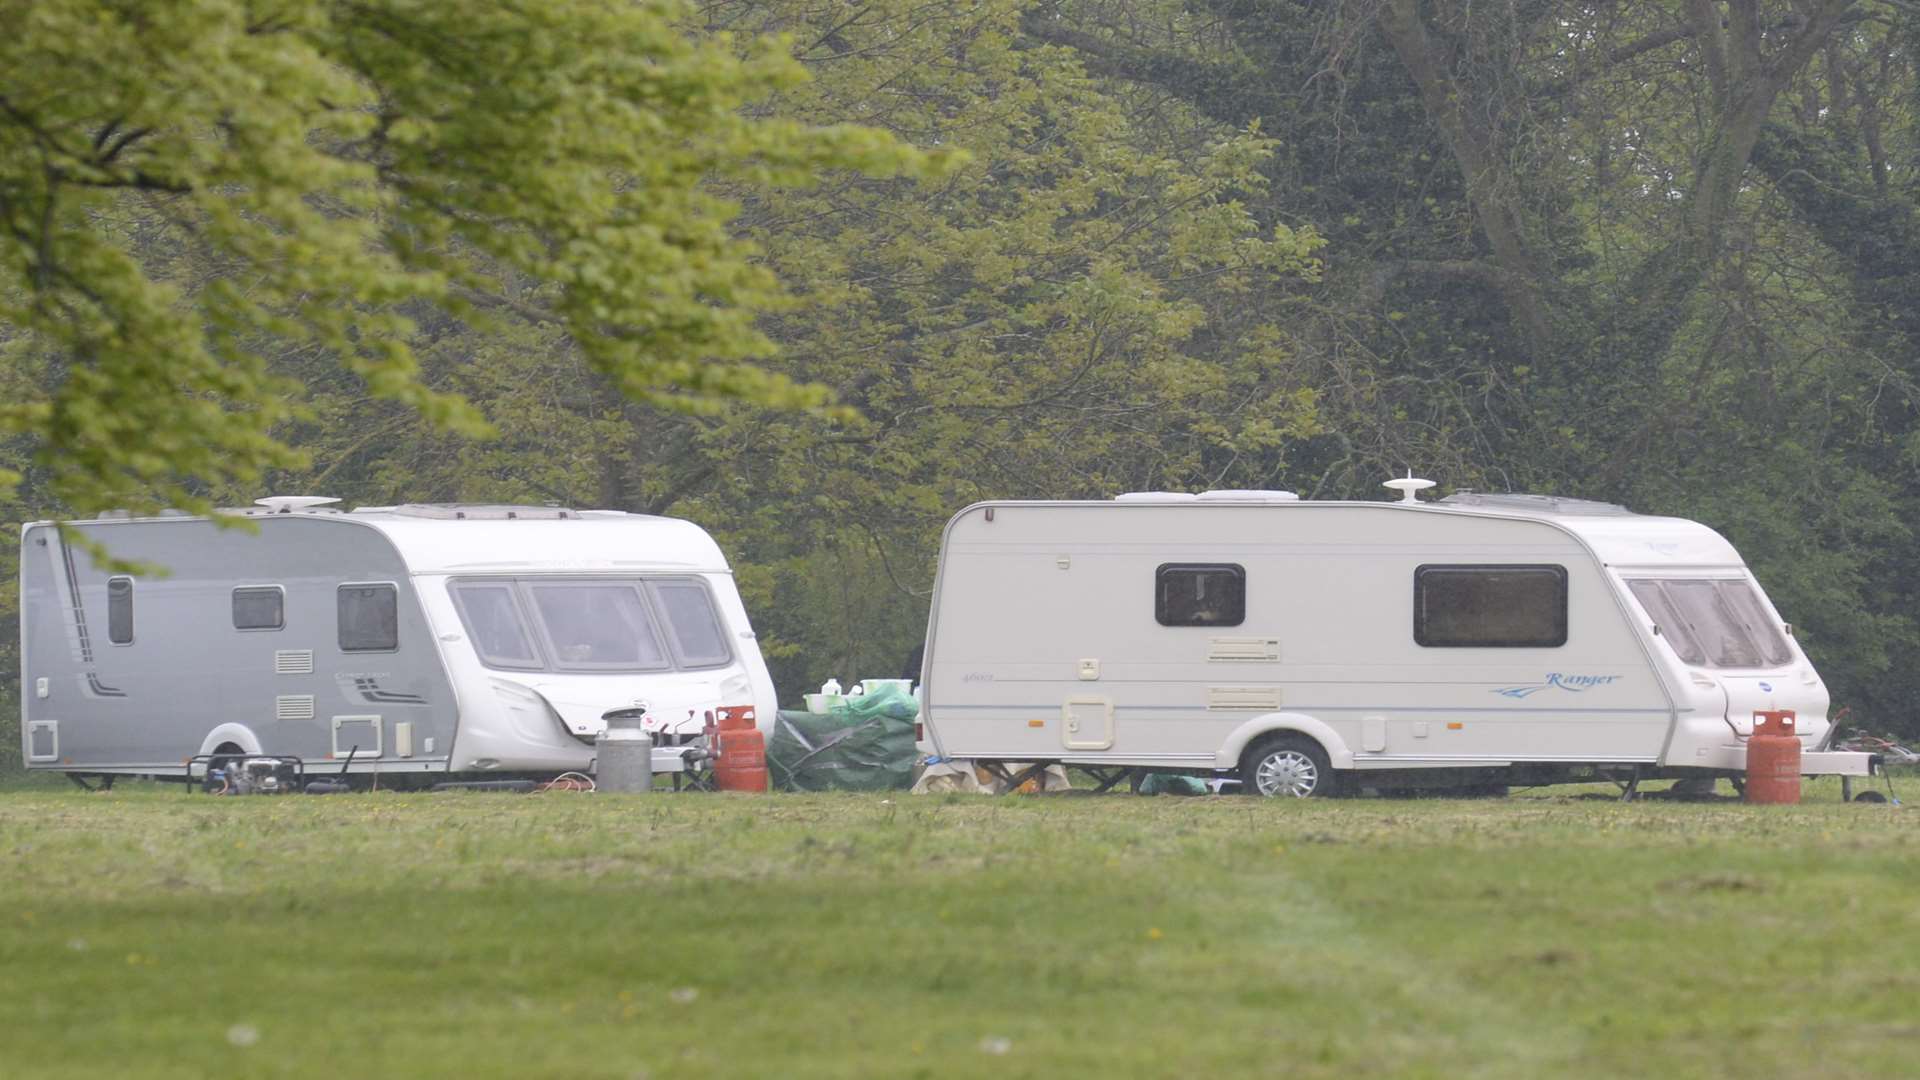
x=1287, y=765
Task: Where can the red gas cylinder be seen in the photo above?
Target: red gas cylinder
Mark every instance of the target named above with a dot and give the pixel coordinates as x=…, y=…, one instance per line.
x=740, y=751
x=1773, y=758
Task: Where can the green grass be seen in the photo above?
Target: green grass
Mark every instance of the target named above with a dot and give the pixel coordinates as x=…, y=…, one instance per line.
x=826, y=936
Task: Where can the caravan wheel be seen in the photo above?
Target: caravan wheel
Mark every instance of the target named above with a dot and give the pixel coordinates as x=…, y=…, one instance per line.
x=1287, y=765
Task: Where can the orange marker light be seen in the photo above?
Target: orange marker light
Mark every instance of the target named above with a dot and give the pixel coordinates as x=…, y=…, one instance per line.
x=1454, y=725
x=1036, y=723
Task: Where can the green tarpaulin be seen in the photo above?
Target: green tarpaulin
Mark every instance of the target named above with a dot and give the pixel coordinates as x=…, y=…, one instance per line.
x=865, y=744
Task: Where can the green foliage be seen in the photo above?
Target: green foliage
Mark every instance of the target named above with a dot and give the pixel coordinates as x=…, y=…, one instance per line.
x=10, y=759
x=1630, y=253
x=1086, y=304
x=1617, y=252
x=188, y=190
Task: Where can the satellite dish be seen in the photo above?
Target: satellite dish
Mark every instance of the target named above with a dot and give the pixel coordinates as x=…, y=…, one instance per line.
x=1407, y=485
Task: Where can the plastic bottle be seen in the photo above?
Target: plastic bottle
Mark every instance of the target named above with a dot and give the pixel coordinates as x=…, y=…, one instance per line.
x=831, y=687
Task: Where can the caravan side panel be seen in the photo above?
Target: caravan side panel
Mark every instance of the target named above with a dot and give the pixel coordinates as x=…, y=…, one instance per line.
x=1052, y=607
x=142, y=670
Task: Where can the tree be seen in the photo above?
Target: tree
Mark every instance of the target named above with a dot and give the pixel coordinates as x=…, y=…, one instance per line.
x=188, y=189
x=1645, y=250
x=1654, y=251
x=1086, y=305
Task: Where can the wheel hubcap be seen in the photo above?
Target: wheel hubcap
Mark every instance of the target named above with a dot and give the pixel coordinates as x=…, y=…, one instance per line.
x=1287, y=772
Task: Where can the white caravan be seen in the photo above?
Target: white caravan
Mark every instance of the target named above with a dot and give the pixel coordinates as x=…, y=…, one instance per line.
x=1479, y=640
x=407, y=639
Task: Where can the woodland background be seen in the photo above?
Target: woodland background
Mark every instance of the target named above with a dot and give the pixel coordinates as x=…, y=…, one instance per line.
x=1658, y=252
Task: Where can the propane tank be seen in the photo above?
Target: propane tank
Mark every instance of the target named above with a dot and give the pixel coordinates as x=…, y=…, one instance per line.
x=740, y=762
x=1773, y=758
x=623, y=755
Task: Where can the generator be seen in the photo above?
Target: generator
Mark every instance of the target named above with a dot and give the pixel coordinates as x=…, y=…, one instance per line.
x=254, y=775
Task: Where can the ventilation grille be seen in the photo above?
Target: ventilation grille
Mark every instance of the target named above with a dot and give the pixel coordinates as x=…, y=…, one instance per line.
x=293, y=707
x=1243, y=697
x=1243, y=648
x=293, y=662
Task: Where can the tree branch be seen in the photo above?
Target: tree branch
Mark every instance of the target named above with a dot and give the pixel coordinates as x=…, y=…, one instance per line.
x=1489, y=179
x=532, y=313
x=1215, y=89
x=1632, y=50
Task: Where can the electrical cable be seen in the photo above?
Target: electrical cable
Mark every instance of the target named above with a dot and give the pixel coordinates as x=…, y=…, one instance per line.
x=569, y=781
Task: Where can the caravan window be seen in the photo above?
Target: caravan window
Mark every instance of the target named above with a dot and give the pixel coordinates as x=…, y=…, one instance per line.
x=1713, y=623
x=1490, y=607
x=598, y=627
x=601, y=625
x=369, y=618
x=259, y=607
x=493, y=622
x=120, y=610
x=1200, y=594
x=698, y=640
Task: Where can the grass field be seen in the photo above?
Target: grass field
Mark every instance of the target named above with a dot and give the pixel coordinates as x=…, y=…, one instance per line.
x=147, y=932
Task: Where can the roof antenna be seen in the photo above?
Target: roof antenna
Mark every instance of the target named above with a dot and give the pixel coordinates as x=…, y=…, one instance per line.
x=1406, y=487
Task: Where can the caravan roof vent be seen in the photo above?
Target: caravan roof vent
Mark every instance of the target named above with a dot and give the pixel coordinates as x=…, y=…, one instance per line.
x=1537, y=504
x=1248, y=496
x=287, y=504
x=1154, y=496
x=474, y=512
x=128, y=515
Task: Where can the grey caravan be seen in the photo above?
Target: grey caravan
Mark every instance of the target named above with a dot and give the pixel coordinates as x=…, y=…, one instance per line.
x=1309, y=645
x=408, y=639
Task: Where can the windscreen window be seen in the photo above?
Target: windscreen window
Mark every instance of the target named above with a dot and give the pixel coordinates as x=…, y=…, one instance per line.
x=1712, y=622
x=594, y=627
x=259, y=607
x=571, y=624
x=1490, y=607
x=1200, y=594
x=698, y=640
x=369, y=617
x=492, y=615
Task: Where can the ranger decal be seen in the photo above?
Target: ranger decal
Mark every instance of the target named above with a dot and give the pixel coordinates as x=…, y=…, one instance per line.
x=1578, y=684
